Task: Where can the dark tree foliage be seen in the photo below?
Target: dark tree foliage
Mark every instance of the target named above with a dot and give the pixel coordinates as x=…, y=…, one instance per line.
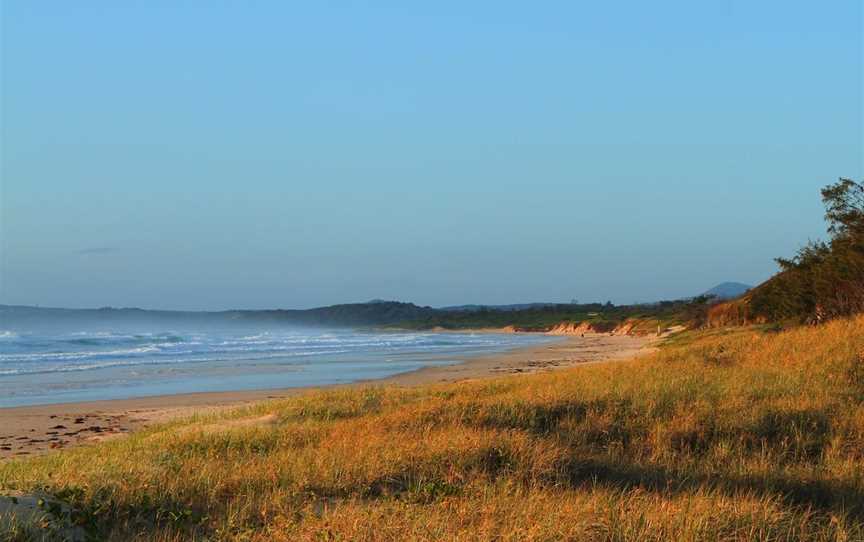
x=844, y=208
x=696, y=311
x=824, y=280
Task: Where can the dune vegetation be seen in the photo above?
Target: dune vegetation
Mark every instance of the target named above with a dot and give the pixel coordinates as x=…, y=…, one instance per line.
x=822, y=281
x=731, y=434
x=601, y=316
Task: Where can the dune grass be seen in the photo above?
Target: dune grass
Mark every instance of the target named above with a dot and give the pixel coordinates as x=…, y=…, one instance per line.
x=742, y=435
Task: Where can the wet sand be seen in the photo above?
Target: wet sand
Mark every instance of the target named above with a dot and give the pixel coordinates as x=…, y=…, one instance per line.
x=32, y=430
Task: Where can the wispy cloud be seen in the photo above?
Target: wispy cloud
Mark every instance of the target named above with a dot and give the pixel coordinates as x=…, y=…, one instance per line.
x=97, y=250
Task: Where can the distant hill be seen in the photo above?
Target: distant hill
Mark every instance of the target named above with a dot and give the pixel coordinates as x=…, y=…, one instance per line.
x=513, y=307
x=348, y=315
x=728, y=290
x=374, y=313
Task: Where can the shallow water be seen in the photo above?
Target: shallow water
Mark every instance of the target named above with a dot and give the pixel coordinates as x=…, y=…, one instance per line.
x=52, y=366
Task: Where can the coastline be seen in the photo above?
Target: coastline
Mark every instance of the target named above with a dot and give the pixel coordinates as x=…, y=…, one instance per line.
x=30, y=430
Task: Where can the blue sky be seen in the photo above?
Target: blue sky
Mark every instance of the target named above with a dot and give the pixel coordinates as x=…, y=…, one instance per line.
x=207, y=155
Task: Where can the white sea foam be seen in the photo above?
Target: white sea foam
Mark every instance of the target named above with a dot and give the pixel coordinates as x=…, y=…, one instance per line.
x=103, y=363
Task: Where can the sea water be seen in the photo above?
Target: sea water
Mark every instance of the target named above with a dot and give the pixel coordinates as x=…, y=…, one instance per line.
x=68, y=365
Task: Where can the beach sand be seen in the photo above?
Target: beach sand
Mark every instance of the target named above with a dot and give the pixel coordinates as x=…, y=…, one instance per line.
x=38, y=429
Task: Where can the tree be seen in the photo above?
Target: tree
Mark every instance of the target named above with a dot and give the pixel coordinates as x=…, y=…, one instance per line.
x=844, y=208
x=823, y=280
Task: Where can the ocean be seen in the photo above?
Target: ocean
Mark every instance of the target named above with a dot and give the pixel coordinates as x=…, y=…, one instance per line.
x=68, y=365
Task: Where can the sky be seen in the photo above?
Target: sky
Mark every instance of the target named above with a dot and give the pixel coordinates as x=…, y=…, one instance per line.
x=214, y=155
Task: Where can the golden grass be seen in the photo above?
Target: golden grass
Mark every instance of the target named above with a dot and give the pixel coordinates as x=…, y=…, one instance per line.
x=741, y=435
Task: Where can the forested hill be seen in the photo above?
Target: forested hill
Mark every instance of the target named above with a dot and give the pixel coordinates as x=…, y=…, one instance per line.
x=823, y=281
x=392, y=314
x=352, y=314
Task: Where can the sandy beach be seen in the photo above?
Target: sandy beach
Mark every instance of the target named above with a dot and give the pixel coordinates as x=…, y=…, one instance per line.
x=38, y=429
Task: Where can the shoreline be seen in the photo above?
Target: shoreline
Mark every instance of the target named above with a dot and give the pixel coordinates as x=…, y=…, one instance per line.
x=36, y=429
